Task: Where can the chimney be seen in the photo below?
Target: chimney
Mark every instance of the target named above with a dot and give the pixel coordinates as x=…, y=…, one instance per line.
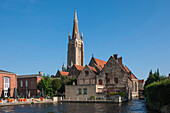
x=120, y=60
x=115, y=56
x=40, y=73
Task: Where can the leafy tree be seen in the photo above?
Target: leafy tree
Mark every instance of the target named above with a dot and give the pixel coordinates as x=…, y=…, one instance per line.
x=154, y=77
x=56, y=84
x=46, y=84
x=65, y=80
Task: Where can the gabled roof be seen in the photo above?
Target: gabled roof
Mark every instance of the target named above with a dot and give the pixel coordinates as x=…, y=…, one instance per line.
x=92, y=68
x=63, y=73
x=100, y=68
x=3, y=71
x=132, y=75
x=100, y=62
x=79, y=67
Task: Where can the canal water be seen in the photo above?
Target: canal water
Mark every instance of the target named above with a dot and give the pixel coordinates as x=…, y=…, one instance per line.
x=134, y=106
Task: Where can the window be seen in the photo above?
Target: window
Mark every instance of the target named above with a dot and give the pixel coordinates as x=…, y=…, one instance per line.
x=116, y=80
x=85, y=90
x=87, y=73
x=26, y=83
x=135, y=87
x=21, y=83
x=100, y=82
x=6, y=83
x=107, y=78
x=79, y=91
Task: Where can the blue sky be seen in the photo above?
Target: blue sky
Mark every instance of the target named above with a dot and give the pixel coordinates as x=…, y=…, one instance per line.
x=34, y=33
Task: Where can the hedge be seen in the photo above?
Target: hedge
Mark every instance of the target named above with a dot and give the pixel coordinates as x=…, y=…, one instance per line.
x=158, y=94
x=118, y=93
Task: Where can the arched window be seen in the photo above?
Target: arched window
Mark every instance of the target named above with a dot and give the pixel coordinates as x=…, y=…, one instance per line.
x=135, y=87
x=100, y=81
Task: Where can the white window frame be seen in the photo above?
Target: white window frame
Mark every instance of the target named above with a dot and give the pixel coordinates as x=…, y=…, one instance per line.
x=26, y=83
x=6, y=84
x=21, y=83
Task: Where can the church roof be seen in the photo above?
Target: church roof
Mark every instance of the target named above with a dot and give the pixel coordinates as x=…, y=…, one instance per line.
x=100, y=62
x=79, y=67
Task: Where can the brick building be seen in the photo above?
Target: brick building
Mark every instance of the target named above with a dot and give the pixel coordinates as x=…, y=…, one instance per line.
x=7, y=80
x=28, y=83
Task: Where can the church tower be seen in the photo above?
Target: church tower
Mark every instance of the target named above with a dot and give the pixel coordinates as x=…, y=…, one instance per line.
x=75, y=53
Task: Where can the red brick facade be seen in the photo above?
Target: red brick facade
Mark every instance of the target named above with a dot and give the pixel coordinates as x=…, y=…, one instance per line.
x=12, y=81
x=32, y=81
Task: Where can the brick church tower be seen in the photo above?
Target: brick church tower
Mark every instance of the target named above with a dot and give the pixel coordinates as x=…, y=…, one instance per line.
x=75, y=53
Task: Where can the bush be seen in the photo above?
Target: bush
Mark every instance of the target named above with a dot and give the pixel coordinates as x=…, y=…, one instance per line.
x=92, y=97
x=158, y=94
x=118, y=93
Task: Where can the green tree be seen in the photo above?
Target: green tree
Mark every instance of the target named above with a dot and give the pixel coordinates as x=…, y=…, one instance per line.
x=56, y=84
x=46, y=84
x=154, y=77
x=65, y=80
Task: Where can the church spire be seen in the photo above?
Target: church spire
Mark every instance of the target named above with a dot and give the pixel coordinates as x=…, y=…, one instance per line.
x=75, y=34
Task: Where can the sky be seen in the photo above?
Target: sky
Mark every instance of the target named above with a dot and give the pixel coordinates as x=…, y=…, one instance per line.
x=34, y=33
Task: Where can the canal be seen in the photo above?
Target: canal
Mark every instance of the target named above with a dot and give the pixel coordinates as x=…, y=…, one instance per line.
x=134, y=106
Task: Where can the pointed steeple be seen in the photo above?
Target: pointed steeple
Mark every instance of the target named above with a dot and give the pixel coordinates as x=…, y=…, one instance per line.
x=75, y=34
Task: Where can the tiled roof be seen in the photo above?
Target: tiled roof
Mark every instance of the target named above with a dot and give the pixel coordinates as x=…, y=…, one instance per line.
x=79, y=67
x=100, y=62
x=3, y=71
x=100, y=68
x=63, y=73
x=132, y=75
x=92, y=68
x=141, y=81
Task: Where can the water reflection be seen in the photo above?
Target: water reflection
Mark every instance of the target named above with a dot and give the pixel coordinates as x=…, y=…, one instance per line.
x=134, y=106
